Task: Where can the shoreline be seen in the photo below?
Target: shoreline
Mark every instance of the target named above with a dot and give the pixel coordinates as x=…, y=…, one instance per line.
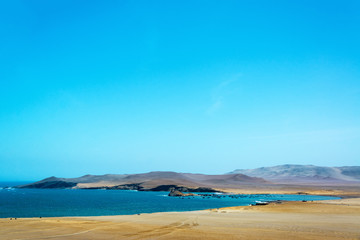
x=223, y=192
x=324, y=219
x=189, y=211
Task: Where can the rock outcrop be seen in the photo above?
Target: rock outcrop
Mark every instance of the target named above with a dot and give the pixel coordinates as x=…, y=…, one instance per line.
x=176, y=193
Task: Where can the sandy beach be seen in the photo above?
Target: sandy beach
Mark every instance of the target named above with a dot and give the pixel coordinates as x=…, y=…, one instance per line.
x=333, y=219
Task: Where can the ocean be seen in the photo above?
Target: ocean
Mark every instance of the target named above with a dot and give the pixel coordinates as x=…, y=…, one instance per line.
x=76, y=202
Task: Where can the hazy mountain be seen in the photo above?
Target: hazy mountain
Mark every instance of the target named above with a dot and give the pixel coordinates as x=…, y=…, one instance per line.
x=148, y=180
x=304, y=174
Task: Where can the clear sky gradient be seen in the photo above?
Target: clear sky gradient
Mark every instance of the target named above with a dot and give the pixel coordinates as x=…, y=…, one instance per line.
x=95, y=87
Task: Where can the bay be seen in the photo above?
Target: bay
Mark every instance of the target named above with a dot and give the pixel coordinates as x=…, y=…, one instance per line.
x=77, y=202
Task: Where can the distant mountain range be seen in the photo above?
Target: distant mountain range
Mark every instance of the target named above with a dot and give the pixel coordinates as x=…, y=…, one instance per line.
x=304, y=174
x=152, y=181
x=240, y=178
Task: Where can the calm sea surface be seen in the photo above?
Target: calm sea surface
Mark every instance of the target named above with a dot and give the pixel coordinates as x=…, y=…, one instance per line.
x=66, y=202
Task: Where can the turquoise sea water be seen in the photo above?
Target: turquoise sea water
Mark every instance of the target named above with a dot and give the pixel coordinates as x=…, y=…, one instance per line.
x=67, y=202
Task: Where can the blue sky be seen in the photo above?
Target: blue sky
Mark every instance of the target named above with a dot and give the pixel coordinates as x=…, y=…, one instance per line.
x=191, y=86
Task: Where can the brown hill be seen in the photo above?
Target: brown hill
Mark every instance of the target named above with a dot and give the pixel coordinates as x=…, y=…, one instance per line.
x=148, y=181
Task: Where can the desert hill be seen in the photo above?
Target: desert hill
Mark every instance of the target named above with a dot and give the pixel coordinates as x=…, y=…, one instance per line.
x=306, y=174
x=149, y=181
